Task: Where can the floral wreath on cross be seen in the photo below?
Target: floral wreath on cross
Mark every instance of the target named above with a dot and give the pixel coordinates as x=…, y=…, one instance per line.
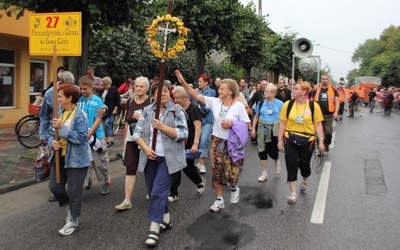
x=180, y=43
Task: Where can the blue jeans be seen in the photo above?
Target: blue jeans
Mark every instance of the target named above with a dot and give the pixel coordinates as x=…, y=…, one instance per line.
x=108, y=125
x=371, y=106
x=158, y=183
x=205, y=139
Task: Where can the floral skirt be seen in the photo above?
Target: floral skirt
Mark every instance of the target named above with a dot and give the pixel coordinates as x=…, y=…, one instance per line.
x=223, y=170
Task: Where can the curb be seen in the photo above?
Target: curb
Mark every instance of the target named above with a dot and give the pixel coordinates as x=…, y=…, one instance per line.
x=17, y=185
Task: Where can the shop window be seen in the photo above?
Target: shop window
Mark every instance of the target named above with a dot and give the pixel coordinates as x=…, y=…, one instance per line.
x=7, y=78
x=38, y=79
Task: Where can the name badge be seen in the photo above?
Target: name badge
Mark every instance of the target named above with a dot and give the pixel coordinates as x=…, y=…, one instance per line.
x=299, y=119
x=269, y=111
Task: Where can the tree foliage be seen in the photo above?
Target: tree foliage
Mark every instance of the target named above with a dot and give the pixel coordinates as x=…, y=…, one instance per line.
x=248, y=46
x=380, y=57
x=211, y=23
x=280, y=55
x=118, y=52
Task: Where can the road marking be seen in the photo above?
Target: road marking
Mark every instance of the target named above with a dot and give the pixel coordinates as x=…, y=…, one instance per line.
x=317, y=216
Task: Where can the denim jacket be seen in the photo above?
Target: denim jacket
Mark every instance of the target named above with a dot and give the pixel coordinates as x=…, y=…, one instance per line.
x=77, y=146
x=174, y=116
x=46, y=113
x=209, y=118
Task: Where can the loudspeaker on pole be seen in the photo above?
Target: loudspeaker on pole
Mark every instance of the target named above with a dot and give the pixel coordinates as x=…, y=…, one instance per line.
x=308, y=66
x=302, y=48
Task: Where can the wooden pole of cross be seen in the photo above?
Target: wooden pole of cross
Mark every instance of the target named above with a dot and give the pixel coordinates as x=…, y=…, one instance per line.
x=166, y=31
x=55, y=112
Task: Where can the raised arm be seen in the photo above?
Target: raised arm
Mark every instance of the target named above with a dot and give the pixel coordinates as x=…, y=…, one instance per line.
x=192, y=92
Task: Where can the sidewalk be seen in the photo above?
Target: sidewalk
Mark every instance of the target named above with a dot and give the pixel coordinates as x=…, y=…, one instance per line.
x=17, y=162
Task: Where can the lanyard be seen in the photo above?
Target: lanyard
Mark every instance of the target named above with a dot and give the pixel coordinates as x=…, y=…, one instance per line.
x=69, y=114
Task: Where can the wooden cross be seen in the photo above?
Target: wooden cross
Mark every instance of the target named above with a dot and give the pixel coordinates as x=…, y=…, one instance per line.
x=166, y=31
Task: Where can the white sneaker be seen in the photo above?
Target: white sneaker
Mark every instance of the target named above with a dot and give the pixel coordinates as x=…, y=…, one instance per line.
x=292, y=198
x=201, y=189
x=69, y=228
x=173, y=198
x=263, y=177
x=235, y=195
x=304, y=186
x=218, y=204
x=202, y=169
x=277, y=167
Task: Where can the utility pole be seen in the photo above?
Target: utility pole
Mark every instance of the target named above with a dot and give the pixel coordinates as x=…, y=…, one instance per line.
x=260, y=8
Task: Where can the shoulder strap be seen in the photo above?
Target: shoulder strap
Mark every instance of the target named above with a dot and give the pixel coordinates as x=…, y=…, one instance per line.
x=312, y=110
x=291, y=102
x=260, y=105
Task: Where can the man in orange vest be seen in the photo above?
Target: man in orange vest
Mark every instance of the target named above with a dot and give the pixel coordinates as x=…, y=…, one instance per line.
x=342, y=99
x=328, y=99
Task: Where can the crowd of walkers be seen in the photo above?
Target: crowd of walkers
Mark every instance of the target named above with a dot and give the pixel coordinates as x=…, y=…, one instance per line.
x=188, y=125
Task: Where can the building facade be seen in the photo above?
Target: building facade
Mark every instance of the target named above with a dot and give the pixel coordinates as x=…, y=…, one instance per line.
x=22, y=77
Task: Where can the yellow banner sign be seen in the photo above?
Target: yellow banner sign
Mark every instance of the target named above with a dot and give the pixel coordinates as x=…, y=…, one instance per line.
x=60, y=29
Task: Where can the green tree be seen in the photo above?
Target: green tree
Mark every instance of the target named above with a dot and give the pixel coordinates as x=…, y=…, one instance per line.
x=280, y=55
x=117, y=52
x=211, y=23
x=224, y=69
x=380, y=57
x=95, y=13
x=248, y=47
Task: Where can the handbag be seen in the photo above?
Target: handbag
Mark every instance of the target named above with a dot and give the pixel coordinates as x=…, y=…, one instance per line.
x=298, y=140
x=42, y=164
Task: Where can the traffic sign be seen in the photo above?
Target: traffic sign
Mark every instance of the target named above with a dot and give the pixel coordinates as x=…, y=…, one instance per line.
x=60, y=29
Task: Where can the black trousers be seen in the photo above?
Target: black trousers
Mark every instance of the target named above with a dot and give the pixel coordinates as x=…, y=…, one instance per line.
x=75, y=178
x=296, y=158
x=191, y=172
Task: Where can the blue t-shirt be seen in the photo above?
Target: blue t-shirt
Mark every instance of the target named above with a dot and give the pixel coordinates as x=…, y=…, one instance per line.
x=270, y=110
x=89, y=106
x=209, y=118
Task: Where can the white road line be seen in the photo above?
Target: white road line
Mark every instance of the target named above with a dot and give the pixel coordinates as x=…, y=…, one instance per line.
x=317, y=216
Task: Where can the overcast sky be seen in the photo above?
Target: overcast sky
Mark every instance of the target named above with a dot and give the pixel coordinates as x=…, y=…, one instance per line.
x=338, y=26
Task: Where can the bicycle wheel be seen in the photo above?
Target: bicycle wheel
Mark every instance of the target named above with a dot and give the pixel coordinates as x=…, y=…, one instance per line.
x=27, y=117
x=116, y=123
x=28, y=133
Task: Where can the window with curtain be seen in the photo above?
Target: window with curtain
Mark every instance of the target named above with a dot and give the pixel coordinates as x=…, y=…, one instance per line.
x=7, y=78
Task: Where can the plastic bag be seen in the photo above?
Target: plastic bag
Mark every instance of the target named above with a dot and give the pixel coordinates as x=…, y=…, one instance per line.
x=42, y=164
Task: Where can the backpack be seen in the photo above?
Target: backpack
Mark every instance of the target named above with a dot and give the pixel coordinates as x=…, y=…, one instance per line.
x=289, y=108
x=354, y=96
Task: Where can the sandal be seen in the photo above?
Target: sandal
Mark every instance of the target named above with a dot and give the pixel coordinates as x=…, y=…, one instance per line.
x=165, y=227
x=152, y=239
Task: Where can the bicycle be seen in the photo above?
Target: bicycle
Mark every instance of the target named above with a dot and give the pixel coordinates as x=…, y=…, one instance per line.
x=119, y=118
x=119, y=121
x=27, y=128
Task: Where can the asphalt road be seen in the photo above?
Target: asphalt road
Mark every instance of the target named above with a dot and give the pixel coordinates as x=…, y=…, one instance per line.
x=361, y=209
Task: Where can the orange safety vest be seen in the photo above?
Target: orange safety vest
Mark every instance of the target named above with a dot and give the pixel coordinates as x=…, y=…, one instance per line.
x=348, y=93
x=341, y=95
x=331, y=98
x=360, y=92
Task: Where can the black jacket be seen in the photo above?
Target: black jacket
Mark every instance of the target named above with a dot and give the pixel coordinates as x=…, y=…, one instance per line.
x=112, y=99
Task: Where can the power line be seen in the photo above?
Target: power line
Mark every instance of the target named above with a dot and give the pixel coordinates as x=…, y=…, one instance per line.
x=338, y=50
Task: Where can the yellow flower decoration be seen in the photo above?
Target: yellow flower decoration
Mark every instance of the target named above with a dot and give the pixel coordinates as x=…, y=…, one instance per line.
x=179, y=46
